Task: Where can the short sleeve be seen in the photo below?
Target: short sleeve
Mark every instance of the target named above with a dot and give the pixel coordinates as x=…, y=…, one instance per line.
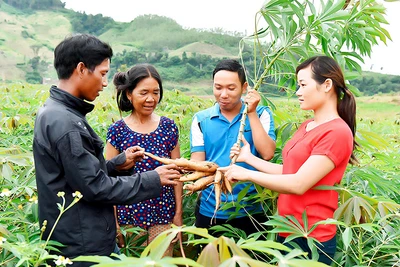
x=267, y=122
x=196, y=137
x=112, y=136
x=336, y=144
x=173, y=129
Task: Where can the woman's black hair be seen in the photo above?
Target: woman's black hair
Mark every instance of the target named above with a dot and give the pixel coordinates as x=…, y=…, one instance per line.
x=126, y=82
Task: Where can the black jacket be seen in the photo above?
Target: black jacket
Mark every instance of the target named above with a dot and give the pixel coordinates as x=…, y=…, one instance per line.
x=68, y=157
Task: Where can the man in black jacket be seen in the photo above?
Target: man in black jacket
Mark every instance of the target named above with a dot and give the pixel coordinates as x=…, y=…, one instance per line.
x=68, y=156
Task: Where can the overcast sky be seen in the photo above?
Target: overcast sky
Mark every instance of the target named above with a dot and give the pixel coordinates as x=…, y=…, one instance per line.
x=231, y=15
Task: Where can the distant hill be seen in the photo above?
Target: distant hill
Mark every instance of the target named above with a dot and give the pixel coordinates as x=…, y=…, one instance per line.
x=185, y=58
x=201, y=48
x=28, y=36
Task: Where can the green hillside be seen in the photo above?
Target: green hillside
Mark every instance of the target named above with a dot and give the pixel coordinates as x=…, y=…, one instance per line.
x=28, y=38
x=30, y=30
x=24, y=36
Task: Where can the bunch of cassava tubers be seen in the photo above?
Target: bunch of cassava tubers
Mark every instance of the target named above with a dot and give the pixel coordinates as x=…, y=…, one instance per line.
x=198, y=175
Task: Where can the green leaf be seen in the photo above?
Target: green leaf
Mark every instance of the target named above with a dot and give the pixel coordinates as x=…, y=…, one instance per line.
x=347, y=237
x=7, y=171
x=209, y=256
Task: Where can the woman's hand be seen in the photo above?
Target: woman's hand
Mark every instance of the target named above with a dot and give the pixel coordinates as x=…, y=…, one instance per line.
x=235, y=173
x=241, y=154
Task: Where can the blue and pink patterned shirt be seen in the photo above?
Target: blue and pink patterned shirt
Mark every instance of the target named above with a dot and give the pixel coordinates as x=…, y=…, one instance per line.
x=161, y=142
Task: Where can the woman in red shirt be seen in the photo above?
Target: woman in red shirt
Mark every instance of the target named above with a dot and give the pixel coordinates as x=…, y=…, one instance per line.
x=317, y=154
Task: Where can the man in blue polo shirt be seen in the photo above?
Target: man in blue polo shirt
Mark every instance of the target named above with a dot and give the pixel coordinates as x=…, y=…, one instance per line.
x=212, y=135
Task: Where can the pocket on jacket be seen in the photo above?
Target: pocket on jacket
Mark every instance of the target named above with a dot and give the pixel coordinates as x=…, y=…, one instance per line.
x=76, y=144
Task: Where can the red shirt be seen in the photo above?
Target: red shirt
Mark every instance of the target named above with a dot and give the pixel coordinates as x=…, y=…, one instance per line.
x=333, y=139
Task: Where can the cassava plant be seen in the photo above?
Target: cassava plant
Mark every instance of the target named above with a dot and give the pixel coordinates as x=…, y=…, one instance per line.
x=287, y=32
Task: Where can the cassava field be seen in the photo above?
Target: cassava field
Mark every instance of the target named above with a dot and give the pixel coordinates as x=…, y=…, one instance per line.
x=367, y=218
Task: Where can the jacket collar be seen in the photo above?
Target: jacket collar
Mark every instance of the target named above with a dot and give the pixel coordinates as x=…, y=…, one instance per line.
x=70, y=101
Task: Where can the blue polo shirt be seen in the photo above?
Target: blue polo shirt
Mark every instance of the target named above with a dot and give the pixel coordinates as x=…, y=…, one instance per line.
x=213, y=134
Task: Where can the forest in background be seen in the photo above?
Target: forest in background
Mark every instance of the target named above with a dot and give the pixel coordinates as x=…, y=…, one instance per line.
x=184, y=57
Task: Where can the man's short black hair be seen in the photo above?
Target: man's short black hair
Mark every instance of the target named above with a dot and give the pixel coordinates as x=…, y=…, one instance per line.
x=231, y=65
x=84, y=48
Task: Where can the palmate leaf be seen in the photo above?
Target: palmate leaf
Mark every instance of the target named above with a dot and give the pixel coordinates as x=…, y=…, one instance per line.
x=159, y=245
x=123, y=261
x=374, y=181
x=371, y=140
x=302, y=263
x=262, y=246
x=6, y=171
x=387, y=207
x=330, y=30
x=243, y=262
x=224, y=251
x=209, y=256
x=355, y=209
x=347, y=237
x=228, y=230
x=290, y=224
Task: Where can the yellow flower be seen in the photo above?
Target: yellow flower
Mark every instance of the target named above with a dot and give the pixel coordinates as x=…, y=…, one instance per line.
x=62, y=261
x=34, y=199
x=77, y=195
x=43, y=226
x=5, y=193
x=20, y=207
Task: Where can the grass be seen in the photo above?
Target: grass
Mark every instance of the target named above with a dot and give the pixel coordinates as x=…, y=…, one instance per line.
x=386, y=106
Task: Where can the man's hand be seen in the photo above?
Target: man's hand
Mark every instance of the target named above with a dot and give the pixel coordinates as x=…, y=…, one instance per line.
x=252, y=99
x=133, y=154
x=168, y=174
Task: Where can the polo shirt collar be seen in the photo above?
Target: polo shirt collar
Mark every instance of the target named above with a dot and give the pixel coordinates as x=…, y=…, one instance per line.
x=216, y=111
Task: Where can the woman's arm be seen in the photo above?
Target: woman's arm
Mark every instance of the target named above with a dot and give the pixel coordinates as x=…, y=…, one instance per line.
x=110, y=151
x=314, y=169
x=244, y=155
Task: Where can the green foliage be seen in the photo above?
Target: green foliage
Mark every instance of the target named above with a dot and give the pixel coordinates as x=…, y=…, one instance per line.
x=368, y=194
x=166, y=34
x=92, y=24
x=297, y=30
x=195, y=68
x=35, y=4
x=367, y=218
x=370, y=83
